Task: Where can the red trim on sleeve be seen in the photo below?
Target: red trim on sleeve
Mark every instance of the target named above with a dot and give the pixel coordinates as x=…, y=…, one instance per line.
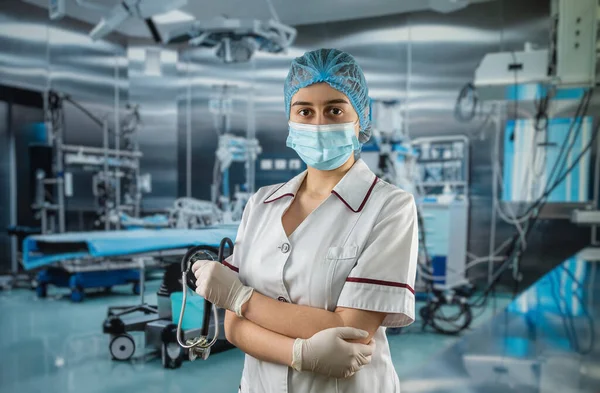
x=380, y=282
x=362, y=205
x=235, y=269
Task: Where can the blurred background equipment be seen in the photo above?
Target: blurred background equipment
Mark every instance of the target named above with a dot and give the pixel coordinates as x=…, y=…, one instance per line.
x=121, y=12
x=236, y=40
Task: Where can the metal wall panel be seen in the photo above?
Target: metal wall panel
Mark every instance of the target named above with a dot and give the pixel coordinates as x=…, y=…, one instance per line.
x=38, y=54
x=4, y=188
x=157, y=97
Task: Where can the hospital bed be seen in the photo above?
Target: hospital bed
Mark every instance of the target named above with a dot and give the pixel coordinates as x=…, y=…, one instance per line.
x=103, y=259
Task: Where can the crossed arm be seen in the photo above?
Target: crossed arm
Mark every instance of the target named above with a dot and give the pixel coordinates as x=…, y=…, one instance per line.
x=270, y=327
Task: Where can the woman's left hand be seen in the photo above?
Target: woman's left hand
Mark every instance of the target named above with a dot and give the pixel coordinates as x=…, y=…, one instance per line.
x=220, y=286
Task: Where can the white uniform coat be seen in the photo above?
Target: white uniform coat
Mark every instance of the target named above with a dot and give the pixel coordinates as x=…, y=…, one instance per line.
x=358, y=249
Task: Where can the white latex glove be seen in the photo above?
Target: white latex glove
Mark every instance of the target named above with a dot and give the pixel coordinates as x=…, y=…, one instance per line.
x=328, y=352
x=221, y=286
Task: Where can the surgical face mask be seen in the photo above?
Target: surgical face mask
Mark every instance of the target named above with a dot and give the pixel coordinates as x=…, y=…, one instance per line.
x=324, y=146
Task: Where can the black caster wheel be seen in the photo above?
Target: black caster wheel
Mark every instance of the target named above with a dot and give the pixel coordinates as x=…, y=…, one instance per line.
x=122, y=347
x=114, y=326
x=41, y=290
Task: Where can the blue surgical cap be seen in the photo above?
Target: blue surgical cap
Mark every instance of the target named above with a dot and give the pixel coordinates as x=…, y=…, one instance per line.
x=340, y=71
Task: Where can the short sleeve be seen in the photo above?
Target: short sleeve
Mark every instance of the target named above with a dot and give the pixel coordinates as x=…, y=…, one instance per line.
x=233, y=261
x=383, y=278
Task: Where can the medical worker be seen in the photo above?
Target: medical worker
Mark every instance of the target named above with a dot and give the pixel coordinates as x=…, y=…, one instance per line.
x=323, y=263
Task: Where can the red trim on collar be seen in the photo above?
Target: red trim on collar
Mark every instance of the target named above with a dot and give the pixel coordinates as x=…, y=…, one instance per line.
x=278, y=198
x=275, y=192
x=362, y=205
x=235, y=269
x=380, y=282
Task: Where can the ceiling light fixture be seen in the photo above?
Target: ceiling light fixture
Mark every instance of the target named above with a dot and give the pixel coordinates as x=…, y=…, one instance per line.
x=174, y=16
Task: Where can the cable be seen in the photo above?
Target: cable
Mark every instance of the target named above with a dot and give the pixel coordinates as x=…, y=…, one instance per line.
x=513, y=220
x=541, y=115
x=574, y=164
x=566, y=326
x=519, y=240
x=84, y=110
x=541, y=202
x=580, y=112
x=530, y=217
x=432, y=312
x=516, y=85
x=585, y=311
x=427, y=273
x=583, y=102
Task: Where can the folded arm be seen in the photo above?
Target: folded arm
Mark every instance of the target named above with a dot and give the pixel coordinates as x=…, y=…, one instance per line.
x=383, y=279
x=258, y=342
x=328, y=352
x=297, y=321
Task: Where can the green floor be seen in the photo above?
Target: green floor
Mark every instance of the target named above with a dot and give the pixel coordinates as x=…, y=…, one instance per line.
x=52, y=345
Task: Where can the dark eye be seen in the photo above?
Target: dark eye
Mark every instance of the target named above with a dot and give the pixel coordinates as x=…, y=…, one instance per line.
x=304, y=112
x=336, y=111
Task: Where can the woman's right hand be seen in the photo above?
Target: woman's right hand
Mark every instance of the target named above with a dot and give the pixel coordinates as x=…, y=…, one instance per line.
x=328, y=352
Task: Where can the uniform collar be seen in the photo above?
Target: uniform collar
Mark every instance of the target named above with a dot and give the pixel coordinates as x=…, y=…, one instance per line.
x=353, y=190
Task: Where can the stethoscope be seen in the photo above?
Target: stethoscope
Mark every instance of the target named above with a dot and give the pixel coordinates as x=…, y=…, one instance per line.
x=199, y=347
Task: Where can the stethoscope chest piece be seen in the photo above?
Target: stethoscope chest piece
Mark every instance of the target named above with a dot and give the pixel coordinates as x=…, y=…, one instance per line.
x=199, y=348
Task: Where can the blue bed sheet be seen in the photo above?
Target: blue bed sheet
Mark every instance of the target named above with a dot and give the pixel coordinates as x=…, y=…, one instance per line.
x=118, y=243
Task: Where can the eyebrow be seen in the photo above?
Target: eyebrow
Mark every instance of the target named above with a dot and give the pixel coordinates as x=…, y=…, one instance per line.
x=336, y=101
x=302, y=103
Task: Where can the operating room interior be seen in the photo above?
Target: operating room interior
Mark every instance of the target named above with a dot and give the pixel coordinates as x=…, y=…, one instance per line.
x=134, y=131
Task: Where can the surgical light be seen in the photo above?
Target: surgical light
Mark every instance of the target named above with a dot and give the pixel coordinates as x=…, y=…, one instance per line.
x=174, y=16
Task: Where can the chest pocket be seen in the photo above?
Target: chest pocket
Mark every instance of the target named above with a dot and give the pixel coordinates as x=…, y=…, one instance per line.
x=340, y=261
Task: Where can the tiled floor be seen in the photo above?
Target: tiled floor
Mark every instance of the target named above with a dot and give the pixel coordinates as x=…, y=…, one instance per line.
x=545, y=342
x=53, y=345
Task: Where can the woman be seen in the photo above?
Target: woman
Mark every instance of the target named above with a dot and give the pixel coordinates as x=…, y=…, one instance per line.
x=322, y=263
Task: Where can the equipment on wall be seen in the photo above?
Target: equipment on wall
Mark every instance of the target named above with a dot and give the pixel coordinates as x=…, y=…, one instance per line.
x=117, y=182
x=545, y=160
x=569, y=61
x=569, y=155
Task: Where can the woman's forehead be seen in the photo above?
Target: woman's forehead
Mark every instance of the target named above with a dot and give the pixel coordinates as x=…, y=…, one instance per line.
x=318, y=93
